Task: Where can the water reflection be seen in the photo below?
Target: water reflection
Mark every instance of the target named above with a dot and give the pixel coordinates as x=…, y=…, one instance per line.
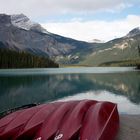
x=124, y=105
x=25, y=89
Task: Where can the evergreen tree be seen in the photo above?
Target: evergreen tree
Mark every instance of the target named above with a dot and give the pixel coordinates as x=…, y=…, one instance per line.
x=14, y=59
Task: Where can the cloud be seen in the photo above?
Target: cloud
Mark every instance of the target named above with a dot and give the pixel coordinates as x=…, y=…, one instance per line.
x=36, y=8
x=96, y=29
x=76, y=9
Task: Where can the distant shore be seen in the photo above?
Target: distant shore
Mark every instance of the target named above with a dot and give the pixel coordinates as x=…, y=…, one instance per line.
x=78, y=66
x=129, y=127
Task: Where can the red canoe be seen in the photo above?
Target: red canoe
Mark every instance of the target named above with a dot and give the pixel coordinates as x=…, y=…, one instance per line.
x=72, y=120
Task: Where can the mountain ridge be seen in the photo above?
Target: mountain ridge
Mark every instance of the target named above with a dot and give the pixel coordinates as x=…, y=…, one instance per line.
x=34, y=40
x=133, y=32
x=117, y=52
x=24, y=22
x=19, y=33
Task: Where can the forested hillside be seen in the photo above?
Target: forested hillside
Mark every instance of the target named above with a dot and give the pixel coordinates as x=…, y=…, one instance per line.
x=14, y=59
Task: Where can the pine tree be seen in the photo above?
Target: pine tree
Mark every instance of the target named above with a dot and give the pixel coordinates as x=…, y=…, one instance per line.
x=13, y=59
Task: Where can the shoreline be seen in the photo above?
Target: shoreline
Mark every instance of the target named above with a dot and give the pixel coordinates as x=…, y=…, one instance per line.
x=129, y=127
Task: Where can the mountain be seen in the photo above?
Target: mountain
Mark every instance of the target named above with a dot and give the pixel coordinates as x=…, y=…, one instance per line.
x=18, y=32
x=134, y=32
x=118, y=52
x=23, y=22
x=96, y=41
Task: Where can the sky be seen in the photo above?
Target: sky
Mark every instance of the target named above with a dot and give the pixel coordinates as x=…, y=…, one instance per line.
x=80, y=19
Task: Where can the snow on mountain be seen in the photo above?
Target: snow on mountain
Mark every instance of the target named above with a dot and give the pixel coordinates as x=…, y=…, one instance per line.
x=22, y=21
x=133, y=32
x=96, y=41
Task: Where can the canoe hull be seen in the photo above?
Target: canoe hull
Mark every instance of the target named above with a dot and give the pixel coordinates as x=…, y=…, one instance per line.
x=72, y=120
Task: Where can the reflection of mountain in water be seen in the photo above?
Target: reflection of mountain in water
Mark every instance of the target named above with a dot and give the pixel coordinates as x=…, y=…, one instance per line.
x=126, y=84
x=15, y=91
x=21, y=90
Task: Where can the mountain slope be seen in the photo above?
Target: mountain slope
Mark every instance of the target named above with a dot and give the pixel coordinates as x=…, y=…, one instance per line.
x=122, y=50
x=23, y=22
x=19, y=33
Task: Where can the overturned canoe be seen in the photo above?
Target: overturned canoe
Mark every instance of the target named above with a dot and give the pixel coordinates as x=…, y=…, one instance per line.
x=72, y=120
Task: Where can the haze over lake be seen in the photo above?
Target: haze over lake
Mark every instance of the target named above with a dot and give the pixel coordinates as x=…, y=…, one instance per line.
x=24, y=86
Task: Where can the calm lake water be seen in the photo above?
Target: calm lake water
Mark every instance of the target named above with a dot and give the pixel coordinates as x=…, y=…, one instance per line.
x=24, y=86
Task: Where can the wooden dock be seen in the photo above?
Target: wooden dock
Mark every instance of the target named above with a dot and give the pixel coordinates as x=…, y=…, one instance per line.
x=129, y=127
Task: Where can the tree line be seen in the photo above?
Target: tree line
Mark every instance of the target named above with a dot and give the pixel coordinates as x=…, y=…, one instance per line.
x=21, y=59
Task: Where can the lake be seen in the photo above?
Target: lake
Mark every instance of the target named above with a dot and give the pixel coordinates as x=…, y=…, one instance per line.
x=24, y=86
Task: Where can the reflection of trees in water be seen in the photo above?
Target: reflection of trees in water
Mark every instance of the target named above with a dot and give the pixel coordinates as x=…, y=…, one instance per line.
x=21, y=90
x=15, y=91
x=127, y=84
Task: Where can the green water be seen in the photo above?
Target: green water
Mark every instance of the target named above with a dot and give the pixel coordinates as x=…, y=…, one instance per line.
x=24, y=86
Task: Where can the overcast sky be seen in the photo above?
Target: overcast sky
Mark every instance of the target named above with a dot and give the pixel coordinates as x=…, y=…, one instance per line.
x=79, y=19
